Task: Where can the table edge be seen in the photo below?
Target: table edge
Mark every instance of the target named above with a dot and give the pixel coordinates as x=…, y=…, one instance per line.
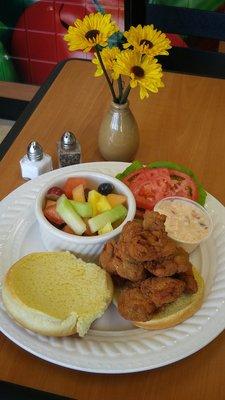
x=19, y=124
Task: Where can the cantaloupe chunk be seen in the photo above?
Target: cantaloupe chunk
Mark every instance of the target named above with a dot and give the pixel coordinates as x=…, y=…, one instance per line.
x=78, y=194
x=50, y=203
x=67, y=229
x=72, y=183
x=115, y=199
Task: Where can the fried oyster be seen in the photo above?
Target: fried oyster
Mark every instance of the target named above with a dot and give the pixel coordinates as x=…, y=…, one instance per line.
x=153, y=269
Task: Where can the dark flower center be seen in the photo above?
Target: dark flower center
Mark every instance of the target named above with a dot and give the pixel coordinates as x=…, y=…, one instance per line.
x=138, y=71
x=92, y=34
x=147, y=43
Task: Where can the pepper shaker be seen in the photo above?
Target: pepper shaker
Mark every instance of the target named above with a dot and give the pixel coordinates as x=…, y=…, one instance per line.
x=69, y=150
x=35, y=162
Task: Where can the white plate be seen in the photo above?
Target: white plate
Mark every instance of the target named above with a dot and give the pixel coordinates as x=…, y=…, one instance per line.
x=113, y=345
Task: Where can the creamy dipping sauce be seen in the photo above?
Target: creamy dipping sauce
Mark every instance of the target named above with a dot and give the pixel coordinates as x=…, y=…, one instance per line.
x=184, y=220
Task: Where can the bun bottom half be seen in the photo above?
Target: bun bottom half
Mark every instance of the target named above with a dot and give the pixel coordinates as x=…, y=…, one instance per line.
x=175, y=312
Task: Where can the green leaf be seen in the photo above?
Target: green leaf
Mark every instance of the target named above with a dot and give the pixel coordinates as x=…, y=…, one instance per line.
x=132, y=167
x=168, y=164
x=99, y=7
x=117, y=40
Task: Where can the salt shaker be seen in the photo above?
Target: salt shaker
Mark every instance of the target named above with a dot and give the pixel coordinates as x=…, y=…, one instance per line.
x=35, y=162
x=69, y=150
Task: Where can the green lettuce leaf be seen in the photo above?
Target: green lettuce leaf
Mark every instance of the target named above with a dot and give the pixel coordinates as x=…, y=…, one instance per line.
x=168, y=164
x=132, y=167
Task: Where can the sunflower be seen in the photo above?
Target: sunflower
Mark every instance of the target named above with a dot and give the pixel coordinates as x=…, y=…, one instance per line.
x=109, y=56
x=147, y=40
x=94, y=29
x=144, y=71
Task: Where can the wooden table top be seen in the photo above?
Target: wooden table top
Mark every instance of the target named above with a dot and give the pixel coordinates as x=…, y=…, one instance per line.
x=183, y=123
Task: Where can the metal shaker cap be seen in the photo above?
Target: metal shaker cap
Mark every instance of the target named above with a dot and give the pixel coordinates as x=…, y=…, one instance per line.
x=68, y=140
x=34, y=151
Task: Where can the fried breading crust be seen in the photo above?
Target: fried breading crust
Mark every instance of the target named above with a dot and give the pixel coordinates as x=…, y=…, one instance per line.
x=106, y=258
x=133, y=305
x=176, y=261
x=156, y=269
x=114, y=265
x=162, y=291
x=189, y=280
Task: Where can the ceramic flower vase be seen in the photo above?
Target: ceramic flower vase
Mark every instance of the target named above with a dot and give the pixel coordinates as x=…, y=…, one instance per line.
x=119, y=135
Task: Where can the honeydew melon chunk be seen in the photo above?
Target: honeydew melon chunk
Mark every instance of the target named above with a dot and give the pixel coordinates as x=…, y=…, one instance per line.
x=99, y=221
x=67, y=212
x=83, y=209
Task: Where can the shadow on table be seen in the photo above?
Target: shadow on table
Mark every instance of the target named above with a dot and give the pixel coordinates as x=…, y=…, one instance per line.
x=10, y=391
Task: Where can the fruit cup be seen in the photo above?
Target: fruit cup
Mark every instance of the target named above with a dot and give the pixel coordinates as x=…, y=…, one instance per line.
x=88, y=247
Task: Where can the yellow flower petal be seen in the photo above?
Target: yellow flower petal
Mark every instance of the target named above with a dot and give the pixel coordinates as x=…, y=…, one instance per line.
x=133, y=83
x=144, y=71
x=109, y=56
x=94, y=29
x=147, y=40
x=143, y=93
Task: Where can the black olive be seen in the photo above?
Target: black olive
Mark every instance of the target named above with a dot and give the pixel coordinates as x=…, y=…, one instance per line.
x=105, y=188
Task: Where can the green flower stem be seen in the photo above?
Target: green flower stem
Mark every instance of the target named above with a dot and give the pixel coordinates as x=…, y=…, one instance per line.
x=120, y=87
x=125, y=94
x=106, y=75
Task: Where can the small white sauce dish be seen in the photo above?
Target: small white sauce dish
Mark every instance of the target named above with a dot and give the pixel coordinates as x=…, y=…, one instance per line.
x=88, y=247
x=187, y=222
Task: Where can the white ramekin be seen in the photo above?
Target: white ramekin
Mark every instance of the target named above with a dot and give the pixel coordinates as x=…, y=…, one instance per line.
x=88, y=247
x=188, y=246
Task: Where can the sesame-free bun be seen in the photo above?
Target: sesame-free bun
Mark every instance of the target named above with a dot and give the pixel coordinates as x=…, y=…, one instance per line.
x=55, y=293
x=176, y=312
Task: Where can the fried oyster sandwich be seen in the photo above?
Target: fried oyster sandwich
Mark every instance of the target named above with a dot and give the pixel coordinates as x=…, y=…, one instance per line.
x=158, y=286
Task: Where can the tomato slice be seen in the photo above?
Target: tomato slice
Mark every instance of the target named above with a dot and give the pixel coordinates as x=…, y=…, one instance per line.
x=183, y=185
x=151, y=185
